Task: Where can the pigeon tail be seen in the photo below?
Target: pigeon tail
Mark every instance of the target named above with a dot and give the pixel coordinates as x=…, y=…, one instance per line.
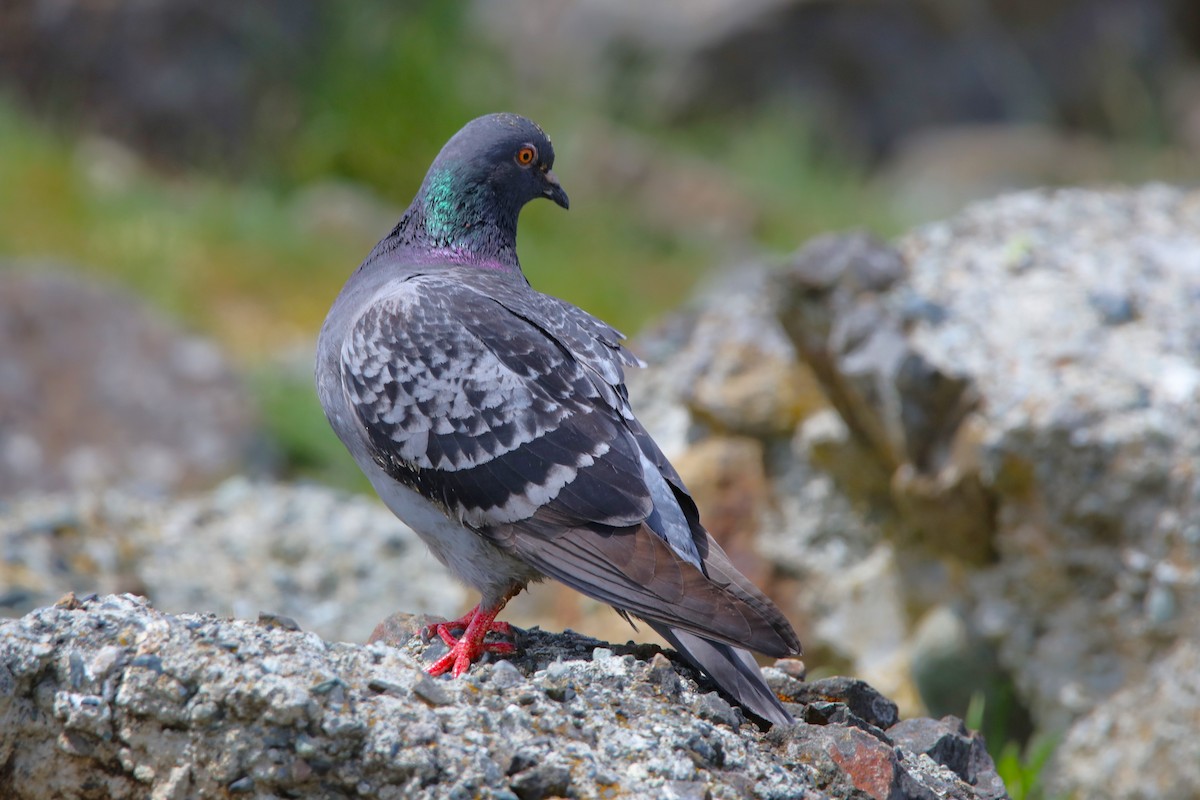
x=733, y=669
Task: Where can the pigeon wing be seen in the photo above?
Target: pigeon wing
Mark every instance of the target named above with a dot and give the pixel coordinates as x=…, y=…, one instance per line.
x=483, y=414
x=636, y=571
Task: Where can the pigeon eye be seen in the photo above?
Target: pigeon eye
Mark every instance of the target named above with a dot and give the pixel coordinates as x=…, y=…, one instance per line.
x=527, y=155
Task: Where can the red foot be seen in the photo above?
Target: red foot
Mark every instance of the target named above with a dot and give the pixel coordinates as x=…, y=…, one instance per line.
x=476, y=624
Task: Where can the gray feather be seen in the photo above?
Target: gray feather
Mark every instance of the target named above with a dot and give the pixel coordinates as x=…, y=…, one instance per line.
x=731, y=668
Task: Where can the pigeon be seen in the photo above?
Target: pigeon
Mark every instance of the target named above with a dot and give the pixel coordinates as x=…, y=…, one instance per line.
x=494, y=420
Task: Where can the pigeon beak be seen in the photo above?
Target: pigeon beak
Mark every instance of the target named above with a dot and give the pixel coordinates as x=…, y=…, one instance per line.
x=554, y=190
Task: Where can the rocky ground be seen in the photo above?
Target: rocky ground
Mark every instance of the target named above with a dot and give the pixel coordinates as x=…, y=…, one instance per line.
x=106, y=697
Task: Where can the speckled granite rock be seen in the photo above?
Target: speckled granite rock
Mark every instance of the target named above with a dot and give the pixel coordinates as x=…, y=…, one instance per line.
x=109, y=698
x=1139, y=743
x=1072, y=314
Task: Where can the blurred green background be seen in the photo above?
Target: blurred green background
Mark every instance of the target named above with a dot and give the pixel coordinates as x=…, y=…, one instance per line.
x=249, y=240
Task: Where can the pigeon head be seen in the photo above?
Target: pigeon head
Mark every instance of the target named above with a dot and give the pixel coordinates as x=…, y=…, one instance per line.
x=505, y=155
x=468, y=204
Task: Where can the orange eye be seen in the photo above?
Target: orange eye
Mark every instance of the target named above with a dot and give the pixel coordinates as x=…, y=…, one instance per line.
x=527, y=155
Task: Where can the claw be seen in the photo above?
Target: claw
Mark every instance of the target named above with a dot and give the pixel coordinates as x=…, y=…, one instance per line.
x=476, y=624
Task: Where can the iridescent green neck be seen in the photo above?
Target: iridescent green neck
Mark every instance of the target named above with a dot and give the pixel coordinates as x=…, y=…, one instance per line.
x=456, y=220
x=442, y=213
x=463, y=214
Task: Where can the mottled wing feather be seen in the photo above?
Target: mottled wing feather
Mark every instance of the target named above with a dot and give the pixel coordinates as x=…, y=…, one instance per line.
x=483, y=413
x=590, y=341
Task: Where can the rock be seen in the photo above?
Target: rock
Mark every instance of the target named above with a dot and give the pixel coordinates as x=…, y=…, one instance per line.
x=998, y=421
x=98, y=391
x=401, y=626
x=109, y=694
x=737, y=373
x=856, y=695
x=994, y=496
x=1088, y=431
x=848, y=761
x=792, y=667
x=730, y=474
x=334, y=563
x=1139, y=743
x=170, y=77
x=866, y=74
x=948, y=742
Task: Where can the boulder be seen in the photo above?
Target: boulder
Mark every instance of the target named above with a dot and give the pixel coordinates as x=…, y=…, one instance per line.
x=1139, y=743
x=992, y=494
x=1068, y=320
x=98, y=391
x=110, y=698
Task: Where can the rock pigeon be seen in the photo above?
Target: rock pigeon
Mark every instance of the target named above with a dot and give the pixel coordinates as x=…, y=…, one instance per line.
x=494, y=420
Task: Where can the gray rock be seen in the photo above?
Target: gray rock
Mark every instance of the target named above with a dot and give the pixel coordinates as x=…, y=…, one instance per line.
x=333, y=563
x=857, y=696
x=1030, y=433
x=867, y=74
x=98, y=391
x=847, y=761
x=111, y=695
x=948, y=742
x=1089, y=427
x=1007, y=446
x=737, y=375
x=1140, y=743
x=175, y=78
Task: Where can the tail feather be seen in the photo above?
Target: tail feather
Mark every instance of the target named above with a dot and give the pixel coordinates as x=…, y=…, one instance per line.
x=732, y=668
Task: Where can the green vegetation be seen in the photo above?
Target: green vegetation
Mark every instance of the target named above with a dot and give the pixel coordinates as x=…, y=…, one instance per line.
x=228, y=259
x=1020, y=765
x=1021, y=768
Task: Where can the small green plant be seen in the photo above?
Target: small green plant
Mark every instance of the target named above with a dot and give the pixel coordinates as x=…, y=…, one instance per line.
x=1019, y=765
x=1022, y=767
